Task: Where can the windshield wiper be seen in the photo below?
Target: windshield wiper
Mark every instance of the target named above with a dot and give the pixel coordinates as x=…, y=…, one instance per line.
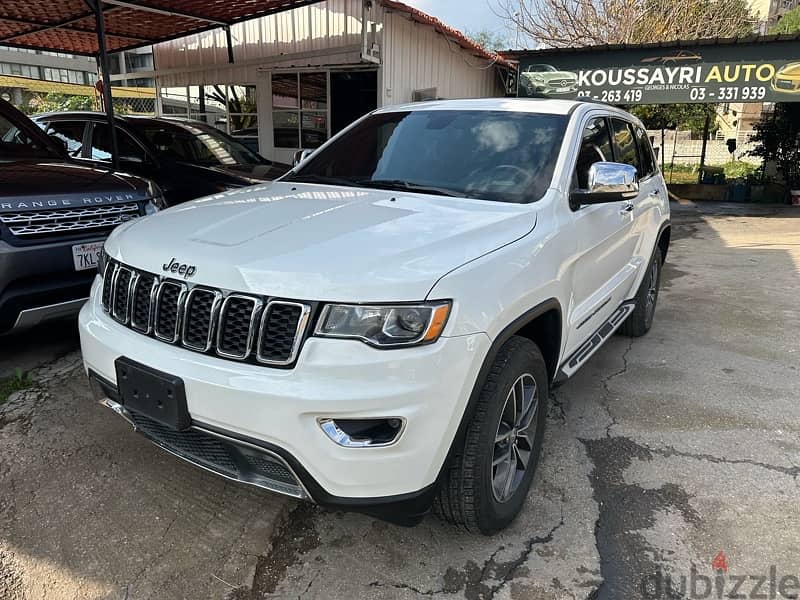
x=408, y=186
x=322, y=179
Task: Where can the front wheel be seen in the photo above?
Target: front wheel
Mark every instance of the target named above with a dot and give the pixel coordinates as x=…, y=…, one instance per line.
x=488, y=478
x=641, y=319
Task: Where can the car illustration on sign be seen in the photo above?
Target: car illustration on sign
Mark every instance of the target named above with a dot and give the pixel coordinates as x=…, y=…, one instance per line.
x=546, y=80
x=787, y=79
x=680, y=56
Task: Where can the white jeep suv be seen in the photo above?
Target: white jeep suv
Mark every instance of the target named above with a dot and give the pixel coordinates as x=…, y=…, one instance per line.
x=379, y=330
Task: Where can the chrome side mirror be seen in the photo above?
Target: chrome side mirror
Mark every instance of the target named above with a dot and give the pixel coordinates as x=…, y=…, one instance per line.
x=608, y=182
x=300, y=156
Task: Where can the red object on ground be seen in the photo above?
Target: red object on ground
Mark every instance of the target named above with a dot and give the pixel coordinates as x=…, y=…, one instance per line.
x=719, y=562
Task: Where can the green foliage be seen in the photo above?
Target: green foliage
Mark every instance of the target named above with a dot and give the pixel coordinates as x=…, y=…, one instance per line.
x=490, y=40
x=737, y=169
x=54, y=102
x=677, y=116
x=19, y=381
x=788, y=23
x=777, y=138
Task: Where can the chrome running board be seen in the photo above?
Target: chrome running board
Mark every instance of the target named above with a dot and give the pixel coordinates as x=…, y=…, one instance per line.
x=590, y=346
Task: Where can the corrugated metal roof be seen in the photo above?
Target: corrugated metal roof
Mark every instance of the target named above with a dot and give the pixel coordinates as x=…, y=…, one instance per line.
x=752, y=39
x=69, y=25
x=71, y=89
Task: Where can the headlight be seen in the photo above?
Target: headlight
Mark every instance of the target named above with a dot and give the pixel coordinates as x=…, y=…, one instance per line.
x=157, y=201
x=385, y=326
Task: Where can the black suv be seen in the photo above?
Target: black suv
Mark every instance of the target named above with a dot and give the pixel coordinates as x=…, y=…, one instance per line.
x=187, y=159
x=54, y=217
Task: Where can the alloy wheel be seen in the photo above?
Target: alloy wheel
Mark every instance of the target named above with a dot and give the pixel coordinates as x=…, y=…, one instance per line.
x=515, y=437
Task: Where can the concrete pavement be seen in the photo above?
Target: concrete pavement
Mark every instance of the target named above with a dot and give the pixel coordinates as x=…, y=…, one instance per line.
x=662, y=452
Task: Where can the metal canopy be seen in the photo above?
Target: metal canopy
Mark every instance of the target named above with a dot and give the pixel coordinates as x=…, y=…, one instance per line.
x=71, y=25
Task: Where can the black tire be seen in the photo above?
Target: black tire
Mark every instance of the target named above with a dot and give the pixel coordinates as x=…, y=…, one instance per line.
x=467, y=496
x=641, y=319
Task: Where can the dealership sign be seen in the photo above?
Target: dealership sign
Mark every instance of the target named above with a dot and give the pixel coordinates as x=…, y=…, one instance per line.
x=753, y=72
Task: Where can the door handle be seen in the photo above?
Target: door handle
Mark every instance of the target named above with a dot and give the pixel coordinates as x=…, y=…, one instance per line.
x=626, y=208
x=655, y=193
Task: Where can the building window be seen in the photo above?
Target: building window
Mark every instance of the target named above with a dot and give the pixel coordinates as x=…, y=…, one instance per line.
x=29, y=71
x=300, y=113
x=230, y=108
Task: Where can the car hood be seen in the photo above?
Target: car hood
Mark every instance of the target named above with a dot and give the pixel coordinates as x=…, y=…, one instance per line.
x=790, y=70
x=316, y=242
x=32, y=185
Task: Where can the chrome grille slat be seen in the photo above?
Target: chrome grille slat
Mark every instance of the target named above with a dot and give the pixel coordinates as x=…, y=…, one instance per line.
x=121, y=287
x=200, y=318
x=108, y=281
x=234, y=326
x=143, y=296
x=33, y=223
x=67, y=213
x=238, y=312
x=168, y=310
x=280, y=336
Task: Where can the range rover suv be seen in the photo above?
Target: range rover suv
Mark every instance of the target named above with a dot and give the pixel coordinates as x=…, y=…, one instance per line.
x=380, y=329
x=54, y=218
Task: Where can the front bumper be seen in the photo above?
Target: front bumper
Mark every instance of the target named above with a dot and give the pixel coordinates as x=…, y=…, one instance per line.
x=278, y=410
x=39, y=282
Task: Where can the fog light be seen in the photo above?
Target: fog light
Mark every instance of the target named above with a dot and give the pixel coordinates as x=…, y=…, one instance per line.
x=363, y=433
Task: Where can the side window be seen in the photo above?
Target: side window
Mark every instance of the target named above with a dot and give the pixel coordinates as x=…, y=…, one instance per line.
x=595, y=147
x=625, y=145
x=645, y=152
x=101, y=145
x=71, y=132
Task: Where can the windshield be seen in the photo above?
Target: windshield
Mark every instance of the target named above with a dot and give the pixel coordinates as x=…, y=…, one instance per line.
x=541, y=69
x=195, y=144
x=489, y=155
x=16, y=144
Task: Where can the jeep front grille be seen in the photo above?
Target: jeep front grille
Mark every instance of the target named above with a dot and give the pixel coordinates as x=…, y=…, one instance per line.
x=231, y=325
x=34, y=224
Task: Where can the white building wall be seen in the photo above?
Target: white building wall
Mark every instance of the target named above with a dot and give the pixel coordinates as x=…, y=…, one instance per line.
x=327, y=33
x=323, y=36
x=416, y=57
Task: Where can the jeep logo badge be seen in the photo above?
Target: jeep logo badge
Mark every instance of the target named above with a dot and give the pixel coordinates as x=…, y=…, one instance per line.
x=186, y=271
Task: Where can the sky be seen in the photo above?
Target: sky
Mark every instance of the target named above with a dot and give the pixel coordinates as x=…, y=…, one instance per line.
x=471, y=15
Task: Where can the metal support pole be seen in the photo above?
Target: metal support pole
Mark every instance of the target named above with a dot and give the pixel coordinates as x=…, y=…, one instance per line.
x=229, y=40
x=102, y=62
x=703, y=151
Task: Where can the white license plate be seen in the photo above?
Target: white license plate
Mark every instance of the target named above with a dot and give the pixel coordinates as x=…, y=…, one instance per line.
x=85, y=256
x=562, y=90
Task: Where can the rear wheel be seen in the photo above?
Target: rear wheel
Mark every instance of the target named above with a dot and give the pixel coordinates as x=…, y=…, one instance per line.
x=487, y=480
x=641, y=319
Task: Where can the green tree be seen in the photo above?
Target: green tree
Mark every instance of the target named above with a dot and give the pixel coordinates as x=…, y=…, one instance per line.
x=491, y=40
x=54, y=102
x=676, y=116
x=777, y=138
x=789, y=23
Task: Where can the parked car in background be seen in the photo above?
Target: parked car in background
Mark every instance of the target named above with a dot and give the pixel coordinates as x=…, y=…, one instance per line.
x=187, y=159
x=380, y=329
x=54, y=216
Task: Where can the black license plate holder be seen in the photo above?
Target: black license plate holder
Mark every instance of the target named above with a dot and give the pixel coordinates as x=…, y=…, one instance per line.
x=152, y=393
